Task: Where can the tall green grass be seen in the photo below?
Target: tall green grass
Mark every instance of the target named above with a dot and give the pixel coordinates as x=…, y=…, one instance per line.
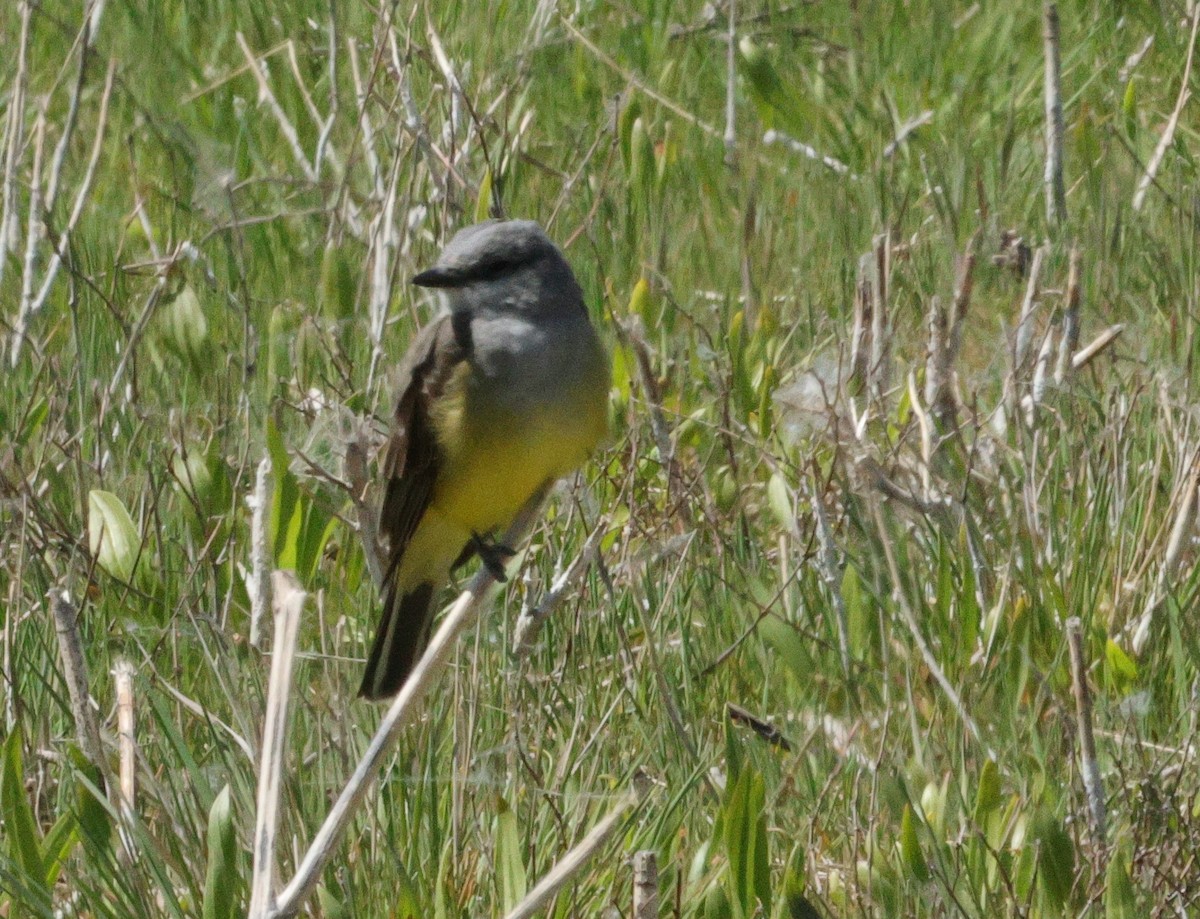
x=158, y=375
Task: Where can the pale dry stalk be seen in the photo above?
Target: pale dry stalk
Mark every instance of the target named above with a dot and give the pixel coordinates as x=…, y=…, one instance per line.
x=1069, y=340
x=1168, y=134
x=1092, y=784
x=730, y=138
x=259, y=581
x=529, y=623
x=1056, y=195
x=10, y=224
x=288, y=603
x=126, y=734
x=70, y=650
x=645, y=884
x=571, y=863
x=461, y=616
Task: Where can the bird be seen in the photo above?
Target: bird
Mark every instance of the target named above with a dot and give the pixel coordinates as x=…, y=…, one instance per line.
x=502, y=394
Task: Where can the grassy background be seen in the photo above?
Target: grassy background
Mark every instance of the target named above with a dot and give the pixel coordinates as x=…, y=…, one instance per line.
x=932, y=766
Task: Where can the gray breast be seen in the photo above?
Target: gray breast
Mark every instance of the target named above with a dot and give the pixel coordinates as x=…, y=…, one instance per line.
x=520, y=364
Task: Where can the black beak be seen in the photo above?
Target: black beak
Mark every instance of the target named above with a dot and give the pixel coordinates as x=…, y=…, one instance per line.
x=437, y=277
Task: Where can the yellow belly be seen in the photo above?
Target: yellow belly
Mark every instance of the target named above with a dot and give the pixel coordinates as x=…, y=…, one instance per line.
x=495, y=467
x=500, y=443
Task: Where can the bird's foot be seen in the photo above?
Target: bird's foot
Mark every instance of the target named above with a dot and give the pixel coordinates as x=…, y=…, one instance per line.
x=494, y=555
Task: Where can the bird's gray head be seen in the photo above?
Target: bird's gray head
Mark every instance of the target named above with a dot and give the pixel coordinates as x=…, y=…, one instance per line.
x=503, y=264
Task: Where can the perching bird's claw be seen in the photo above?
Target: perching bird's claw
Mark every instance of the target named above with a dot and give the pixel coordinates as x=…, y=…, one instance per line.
x=494, y=555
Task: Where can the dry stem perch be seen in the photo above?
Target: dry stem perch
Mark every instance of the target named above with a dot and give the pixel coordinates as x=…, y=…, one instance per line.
x=462, y=616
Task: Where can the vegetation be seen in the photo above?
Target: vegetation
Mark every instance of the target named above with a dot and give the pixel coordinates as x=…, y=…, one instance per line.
x=862, y=472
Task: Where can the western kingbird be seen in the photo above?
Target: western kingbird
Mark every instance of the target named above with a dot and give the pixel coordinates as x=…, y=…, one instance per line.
x=503, y=393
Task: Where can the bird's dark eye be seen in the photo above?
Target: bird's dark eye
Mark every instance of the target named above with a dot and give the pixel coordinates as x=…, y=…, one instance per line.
x=491, y=269
x=486, y=270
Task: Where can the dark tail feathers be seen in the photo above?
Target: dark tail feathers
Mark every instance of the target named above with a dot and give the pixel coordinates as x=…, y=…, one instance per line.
x=402, y=636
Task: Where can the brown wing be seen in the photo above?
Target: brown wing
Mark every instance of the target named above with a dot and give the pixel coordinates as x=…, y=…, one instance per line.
x=413, y=459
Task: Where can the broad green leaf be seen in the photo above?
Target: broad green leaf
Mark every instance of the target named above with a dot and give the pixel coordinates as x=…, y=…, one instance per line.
x=946, y=590
x=308, y=353
x=725, y=487
x=204, y=478
x=510, y=869
x=766, y=395
x=642, y=169
x=338, y=284
x=35, y=417
x=969, y=615
x=745, y=829
x=60, y=839
x=332, y=907
x=789, y=645
x=407, y=903
x=1129, y=107
x=285, y=510
x=221, y=878
x=112, y=535
x=1024, y=872
x=716, y=903
x=621, y=379
x=795, y=883
x=734, y=755
x=640, y=301
x=933, y=805
x=1120, y=900
x=483, y=203
x=778, y=106
x=318, y=528
x=279, y=349
x=443, y=907
x=910, y=846
x=185, y=327
x=24, y=842
x=630, y=113
x=859, y=622
x=1121, y=668
x=779, y=497
x=987, y=796
x=92, y=812
x=1056, y=859
x=669, y=154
